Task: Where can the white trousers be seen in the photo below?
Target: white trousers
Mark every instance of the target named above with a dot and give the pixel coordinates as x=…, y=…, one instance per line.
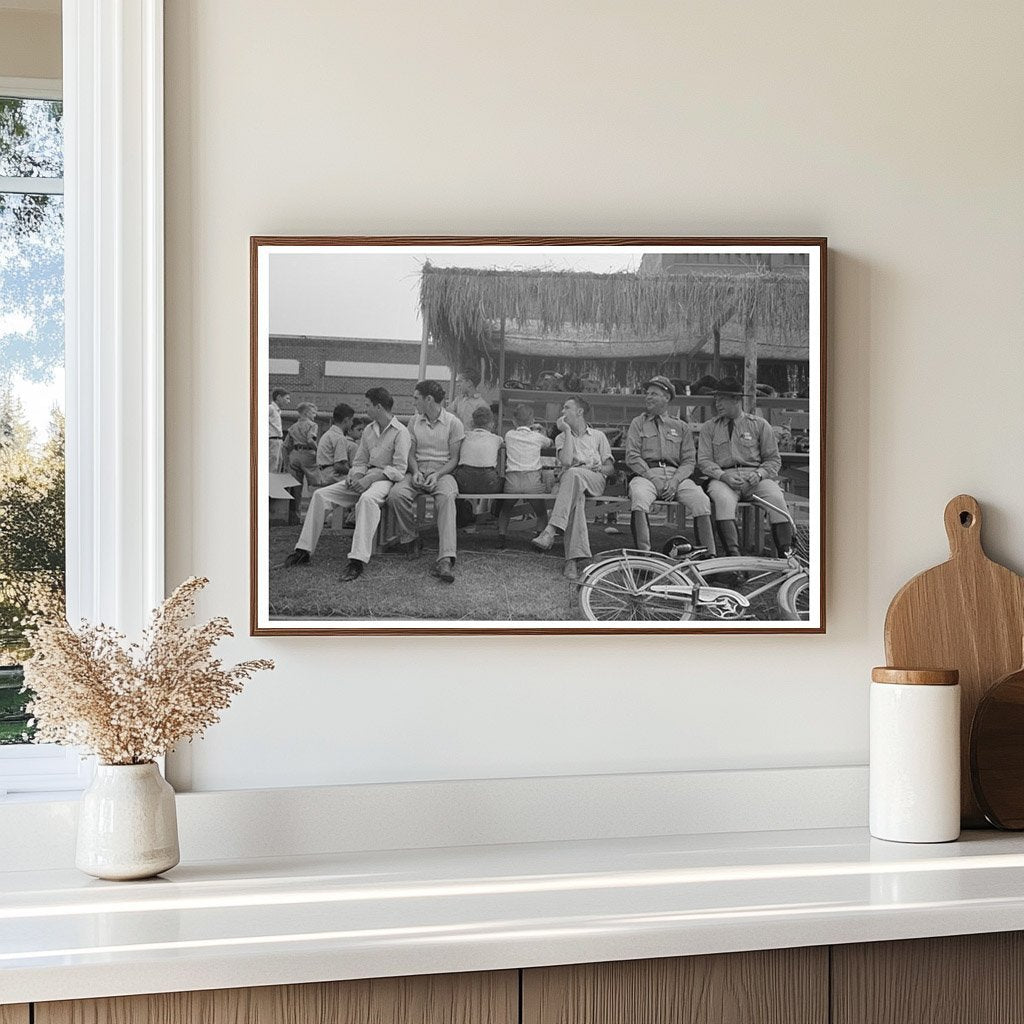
x=368, y=510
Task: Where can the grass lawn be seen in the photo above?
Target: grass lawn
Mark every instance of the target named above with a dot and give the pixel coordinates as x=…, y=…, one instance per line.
x=516, y=583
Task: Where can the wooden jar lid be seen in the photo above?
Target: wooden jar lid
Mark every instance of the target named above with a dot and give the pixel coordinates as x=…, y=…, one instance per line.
x=916, y=676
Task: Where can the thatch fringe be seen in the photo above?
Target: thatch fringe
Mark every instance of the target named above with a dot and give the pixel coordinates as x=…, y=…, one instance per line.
x=462, y=307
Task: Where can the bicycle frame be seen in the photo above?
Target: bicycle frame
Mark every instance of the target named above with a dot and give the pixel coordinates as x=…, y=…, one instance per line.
x=706, y=594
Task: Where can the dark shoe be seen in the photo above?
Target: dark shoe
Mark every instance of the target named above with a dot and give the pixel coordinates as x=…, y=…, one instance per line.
x=297, y=557
x=352, y=571
x=442, y=570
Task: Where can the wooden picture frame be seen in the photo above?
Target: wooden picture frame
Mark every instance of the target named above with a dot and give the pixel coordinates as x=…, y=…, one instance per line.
x=599, y=316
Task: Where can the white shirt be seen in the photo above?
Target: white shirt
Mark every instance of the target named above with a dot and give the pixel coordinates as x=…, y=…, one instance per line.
x=590, y=449
x=275, y=422
x=480, y=448
x=522, y=450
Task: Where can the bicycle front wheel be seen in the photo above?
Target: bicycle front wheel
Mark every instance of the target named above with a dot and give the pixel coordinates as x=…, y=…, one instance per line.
x=795, y=598
x=617, y=590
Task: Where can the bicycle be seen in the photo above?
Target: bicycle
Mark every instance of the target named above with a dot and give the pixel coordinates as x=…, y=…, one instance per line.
x=678, y=585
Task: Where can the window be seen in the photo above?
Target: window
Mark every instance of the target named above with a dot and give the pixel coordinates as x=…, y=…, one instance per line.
x=32, y=530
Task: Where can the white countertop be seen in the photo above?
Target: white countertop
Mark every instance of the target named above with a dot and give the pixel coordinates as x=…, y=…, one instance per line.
x=224, y=924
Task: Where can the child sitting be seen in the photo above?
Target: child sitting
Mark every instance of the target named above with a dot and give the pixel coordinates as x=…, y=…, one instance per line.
x=523, y=446
x=477, y=471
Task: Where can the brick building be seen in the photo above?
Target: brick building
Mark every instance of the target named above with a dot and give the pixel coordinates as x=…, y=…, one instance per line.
x=331, y=370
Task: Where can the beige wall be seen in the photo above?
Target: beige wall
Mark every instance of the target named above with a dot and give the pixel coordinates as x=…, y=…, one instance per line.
x=895, y=129
x=29, y=44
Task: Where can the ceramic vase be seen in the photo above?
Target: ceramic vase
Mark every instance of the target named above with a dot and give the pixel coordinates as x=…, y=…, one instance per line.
x=127, y=825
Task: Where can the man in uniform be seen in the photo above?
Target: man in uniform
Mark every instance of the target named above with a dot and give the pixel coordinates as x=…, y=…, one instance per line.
x=586, y=460
x=379, y=461
x=661, y=455
x=436, y=441
x=739, y=453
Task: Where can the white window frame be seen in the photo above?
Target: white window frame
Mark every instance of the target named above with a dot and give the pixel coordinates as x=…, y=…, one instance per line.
x=114, y=324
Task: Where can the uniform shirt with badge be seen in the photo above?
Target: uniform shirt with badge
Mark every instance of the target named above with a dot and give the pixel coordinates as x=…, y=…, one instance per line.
x=747, y=442
x=655, y=440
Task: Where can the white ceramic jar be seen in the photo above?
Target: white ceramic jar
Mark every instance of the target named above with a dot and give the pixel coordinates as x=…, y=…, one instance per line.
x=915, y=755
x=127, y=823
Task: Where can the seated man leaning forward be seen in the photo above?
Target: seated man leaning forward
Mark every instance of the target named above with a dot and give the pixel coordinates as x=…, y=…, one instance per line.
x=379, y=462
x=434, y=453
x=334, y=451
x=586, y=460
x=661, y=454
x=738, y=451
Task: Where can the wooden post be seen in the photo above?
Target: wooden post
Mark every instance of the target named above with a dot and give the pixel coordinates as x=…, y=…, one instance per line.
x=749, y=366
x=501, y=378
x=423, y=352
x=716, y=359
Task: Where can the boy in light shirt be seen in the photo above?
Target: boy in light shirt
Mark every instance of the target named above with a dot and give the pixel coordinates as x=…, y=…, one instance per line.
x=477, y=471
x=523, y=446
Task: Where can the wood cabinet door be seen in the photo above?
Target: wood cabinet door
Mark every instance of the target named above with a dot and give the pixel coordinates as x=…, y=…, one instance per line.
x=479, y=998
x=776, y=986
x=959, y=979
x=14, y=1014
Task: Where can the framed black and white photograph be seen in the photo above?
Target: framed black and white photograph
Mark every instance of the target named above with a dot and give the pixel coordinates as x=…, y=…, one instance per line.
x=537, y=435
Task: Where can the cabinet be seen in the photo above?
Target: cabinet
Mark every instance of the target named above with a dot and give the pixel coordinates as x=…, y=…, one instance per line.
x=966, y=979
x=479, y=998
x=959, y=979
x=775, y=986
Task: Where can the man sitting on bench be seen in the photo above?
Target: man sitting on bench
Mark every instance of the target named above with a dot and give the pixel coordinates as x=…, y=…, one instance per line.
x=738, y=451
x=586, y=458
x=379, y=462
x=661, y=454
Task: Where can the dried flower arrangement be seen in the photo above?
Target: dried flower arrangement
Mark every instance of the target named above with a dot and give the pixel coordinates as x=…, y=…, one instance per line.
x=130, y=703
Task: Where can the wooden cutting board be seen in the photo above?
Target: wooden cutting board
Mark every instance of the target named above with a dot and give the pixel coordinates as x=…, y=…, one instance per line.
x=967, y=614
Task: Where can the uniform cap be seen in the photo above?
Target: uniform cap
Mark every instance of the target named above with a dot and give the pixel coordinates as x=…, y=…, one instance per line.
x=664, y=383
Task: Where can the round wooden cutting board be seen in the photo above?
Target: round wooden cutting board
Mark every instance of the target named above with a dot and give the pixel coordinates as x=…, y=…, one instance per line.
x=967, y=614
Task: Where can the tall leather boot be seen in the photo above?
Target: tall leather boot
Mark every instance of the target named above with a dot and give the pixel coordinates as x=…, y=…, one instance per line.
x=704, y=534
x=641, y=527
x=730, y=536
x=782, y=534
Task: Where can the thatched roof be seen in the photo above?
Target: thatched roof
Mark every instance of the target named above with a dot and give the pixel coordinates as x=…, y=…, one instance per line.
x=623, y=315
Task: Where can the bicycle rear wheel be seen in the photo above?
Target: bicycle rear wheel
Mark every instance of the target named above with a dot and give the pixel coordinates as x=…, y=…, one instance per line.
x=613, y=591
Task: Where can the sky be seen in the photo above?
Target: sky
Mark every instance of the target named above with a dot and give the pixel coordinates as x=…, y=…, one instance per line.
x=362, y=294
